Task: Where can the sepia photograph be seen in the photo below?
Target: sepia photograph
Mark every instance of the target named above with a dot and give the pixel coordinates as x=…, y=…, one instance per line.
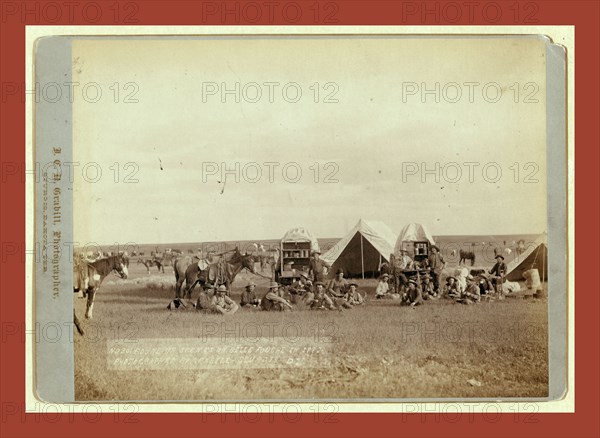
x=310, y=217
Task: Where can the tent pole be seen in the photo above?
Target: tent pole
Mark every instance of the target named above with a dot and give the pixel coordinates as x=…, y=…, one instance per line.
x=362, y=258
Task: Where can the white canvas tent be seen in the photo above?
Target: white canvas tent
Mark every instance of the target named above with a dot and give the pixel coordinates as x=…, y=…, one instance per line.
x=413, y=232
x=363, y=249
x=535, y=256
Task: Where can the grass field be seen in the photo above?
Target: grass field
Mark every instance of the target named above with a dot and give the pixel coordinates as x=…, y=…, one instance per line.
x=380, y=350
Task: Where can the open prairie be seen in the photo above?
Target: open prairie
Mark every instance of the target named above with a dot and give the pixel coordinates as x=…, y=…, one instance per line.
x=136, y=349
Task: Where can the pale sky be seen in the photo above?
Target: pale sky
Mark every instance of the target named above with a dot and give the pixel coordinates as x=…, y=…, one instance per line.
x=369, y=133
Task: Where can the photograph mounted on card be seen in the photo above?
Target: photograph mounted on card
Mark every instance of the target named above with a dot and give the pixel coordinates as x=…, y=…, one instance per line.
x=348, y=218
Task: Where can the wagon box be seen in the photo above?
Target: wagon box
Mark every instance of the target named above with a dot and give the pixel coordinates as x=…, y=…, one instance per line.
x=295, y=251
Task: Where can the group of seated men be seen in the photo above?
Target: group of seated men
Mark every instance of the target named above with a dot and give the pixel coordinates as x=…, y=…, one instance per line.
x=335, y=295
x=466, y=290
x=412, y=293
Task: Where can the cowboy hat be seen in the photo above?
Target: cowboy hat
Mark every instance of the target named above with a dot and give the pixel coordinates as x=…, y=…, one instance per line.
x=385, y=275
x=434, y=247
x=319, y=283
x=250, y=284
x=273, y=285
x=316, y=251
x=412, y=281
x=222, y=288
x=470, y=277
x=499, y=255
x=353, y=284
x=403, y=250
x=450, y=277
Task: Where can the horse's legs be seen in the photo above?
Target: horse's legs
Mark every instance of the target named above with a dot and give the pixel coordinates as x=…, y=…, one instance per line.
x=178, y=285
x=90, y=302
x=77, y=323
x=190, y=288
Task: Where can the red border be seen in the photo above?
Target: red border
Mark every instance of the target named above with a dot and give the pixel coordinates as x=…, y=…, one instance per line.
x=584, y=15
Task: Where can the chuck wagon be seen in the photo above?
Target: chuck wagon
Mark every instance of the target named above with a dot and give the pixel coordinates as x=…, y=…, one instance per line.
x=416, y=240
x=295, y=251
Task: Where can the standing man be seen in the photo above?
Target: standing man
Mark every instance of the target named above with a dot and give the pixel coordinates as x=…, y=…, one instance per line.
x=402, y=263
x=316, y=267
x=499, y=272
x=437, y=265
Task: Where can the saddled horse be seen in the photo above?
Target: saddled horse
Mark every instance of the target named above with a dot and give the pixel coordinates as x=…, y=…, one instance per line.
x=180, y=266
x=88, y=277
x=221, y=272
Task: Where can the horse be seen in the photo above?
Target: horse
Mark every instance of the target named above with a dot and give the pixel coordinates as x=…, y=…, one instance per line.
x=89, y=276
x=221, y=272
x=466, y=255
x=148, y=263
x=180, y=266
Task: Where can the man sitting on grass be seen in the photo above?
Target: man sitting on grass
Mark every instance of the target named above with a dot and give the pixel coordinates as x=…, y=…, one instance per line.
x=471, y=293
x=337, y=286
x=249, y=299
x=428, y=289
x=353, y=297
x=273, y=299
x=222, y=304
x=413, y=295
x=319, y=299
x=382, y=286
x=452, y=288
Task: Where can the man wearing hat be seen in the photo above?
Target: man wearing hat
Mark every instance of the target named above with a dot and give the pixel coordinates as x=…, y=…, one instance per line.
x=319, y=299
x=204, y=301
x=428, y=290
x=249, y=298
x=499, y=273
x=353, y=297
x=300, y=285
x=471, y=294
x=317, y=267
x=221, y=303
x=436, y=264
x=452, y=288
x=413, y=295
x=402, y=263
x=337, y=286
x=273, y=299
x=382, y=286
